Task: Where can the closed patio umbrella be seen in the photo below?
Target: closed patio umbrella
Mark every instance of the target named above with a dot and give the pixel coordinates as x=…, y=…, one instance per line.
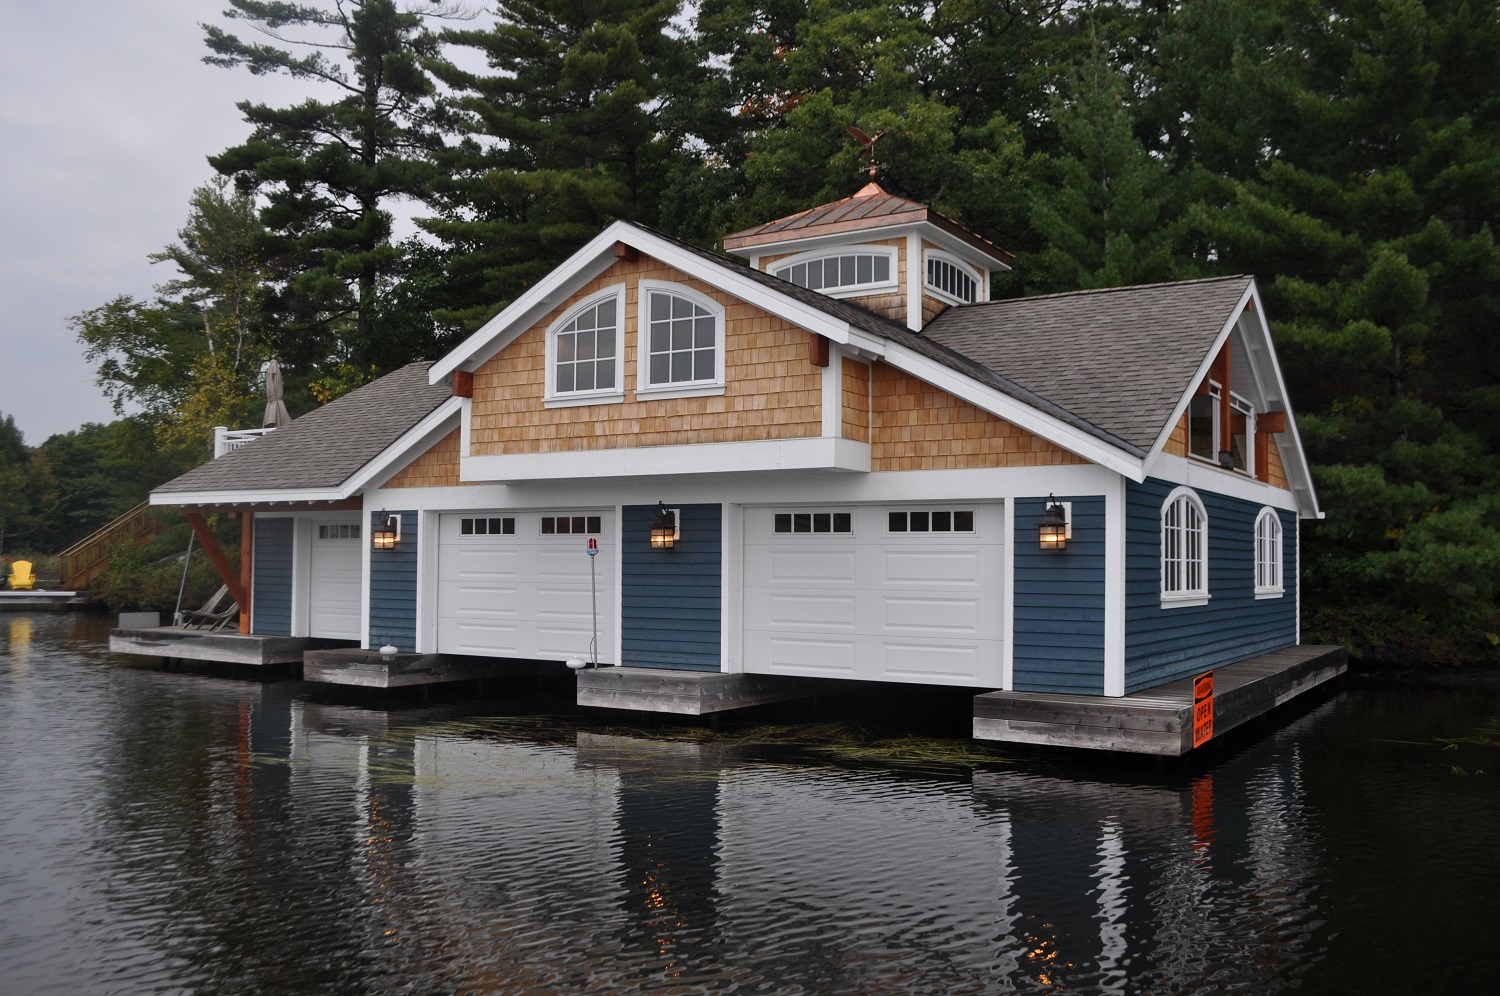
x=276, y=413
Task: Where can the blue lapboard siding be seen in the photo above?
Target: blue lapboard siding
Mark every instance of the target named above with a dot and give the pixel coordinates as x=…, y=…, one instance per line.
x=1165, y=644
x=670, y=599
x=1058, y=636
x=393, y=588
x=271, y=585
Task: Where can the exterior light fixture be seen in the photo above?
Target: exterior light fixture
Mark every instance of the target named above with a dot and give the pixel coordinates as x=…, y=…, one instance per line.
x=665, y=530
x=387, y=531
x=1052, y=527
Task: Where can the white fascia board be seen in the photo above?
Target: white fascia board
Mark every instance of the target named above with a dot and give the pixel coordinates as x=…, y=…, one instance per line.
x=1017, y=413
x=414, y=436
x=1299, y=471
x=1295, y=462
x=247, y=497
x=443, y=420
x=594, y=258
x=814, y=453
x=1186, y=397
x=521, y=313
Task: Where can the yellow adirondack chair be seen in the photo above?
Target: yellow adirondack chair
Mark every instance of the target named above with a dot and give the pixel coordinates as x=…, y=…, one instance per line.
x=21, y=578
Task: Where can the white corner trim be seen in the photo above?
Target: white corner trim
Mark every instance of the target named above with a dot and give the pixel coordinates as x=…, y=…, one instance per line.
x=1114, y=588
x=914, y=282
x=833, y=393
x=1008, y=586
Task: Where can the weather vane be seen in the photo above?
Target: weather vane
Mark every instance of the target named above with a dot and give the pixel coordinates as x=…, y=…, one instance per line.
x=868, y=149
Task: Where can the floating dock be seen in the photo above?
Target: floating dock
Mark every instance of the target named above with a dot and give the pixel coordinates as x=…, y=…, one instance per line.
x=1157, y=720
x=687, y=693
x=368, y=669
x=219, y=647
x=42, y=601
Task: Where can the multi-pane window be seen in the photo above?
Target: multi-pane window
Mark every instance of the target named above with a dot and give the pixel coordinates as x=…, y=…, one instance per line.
x=585, y=353
x=487, y=526
x=343, y=530
x=814, y=522
x=574, y=525
x=1184, y=548
x=1268, y=553
x=1204, y=429
x=681, y=340
x=947, y=277
x=845, y=271
x=954, y=520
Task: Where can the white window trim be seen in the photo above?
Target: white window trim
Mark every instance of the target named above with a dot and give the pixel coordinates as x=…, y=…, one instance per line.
x=1192, y=596
x=1246, y=408
x=1279, y=588
x=551, y=397
x=942, y=295
x=891, y=286
x=686, y=389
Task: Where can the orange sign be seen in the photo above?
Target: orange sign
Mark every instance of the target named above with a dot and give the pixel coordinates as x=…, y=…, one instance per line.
x=1203, y=708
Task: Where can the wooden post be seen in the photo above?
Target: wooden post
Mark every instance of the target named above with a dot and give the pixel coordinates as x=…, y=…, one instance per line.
x=247, y=553
x=221, y=564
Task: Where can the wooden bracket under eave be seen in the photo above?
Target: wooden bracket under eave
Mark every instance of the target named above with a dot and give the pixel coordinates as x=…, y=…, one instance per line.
x=629, y=255
x=1267, y=424
x=463, y=384
x=817, y=349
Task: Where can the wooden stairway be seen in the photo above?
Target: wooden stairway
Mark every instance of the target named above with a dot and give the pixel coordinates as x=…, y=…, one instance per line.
x=80, y=563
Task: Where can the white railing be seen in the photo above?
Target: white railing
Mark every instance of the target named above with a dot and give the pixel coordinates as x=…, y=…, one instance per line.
x=228, y=440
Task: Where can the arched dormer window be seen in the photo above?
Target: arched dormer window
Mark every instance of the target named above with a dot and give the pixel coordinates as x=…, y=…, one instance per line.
x=949, y=279
x=1268, y=583
x=585, y=351
x=842, y=272
x=1184, y=550
x=681, y=349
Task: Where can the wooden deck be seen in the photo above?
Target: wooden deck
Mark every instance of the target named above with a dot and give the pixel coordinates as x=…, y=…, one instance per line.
x=217, y=647
x=686, y=693
x=367, y=669
x=42, y=601
x=1158, y=720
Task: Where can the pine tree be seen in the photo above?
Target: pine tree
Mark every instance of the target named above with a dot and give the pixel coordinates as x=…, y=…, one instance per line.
x=328, y=169
x=563, y=133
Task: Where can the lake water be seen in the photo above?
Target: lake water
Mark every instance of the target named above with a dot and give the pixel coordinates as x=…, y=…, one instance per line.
x=170, y=832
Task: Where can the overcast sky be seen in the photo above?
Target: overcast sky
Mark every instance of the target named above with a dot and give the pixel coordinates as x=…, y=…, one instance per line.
x=107, y=117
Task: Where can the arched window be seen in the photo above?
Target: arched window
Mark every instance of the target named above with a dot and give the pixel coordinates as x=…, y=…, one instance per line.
x=1268, y=554
x=682, y=341
x=1184, y=549
x=843, y=271
x=951, y=280
x=584, y=351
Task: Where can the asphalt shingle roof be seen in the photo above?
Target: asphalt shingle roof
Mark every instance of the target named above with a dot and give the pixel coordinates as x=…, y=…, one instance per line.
x=1120, y=358
x=328, y=445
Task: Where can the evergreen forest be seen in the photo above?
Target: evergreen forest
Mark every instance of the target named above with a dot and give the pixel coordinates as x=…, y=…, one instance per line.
x=448, y=154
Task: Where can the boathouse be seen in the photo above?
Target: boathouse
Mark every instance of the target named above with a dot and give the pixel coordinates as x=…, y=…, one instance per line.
x=831, y=457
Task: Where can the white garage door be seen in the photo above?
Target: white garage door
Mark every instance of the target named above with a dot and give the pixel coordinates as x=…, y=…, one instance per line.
x=333, y=580
x=882, y=593
x=516, y=583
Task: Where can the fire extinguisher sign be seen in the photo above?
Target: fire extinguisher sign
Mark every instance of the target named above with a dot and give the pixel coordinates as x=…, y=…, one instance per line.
x=1203, y=708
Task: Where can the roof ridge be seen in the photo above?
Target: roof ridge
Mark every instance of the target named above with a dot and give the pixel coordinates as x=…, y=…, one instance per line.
x=1106, y=290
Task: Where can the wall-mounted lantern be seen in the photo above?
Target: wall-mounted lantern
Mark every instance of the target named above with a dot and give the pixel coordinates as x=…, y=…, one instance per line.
x=665, y=528
x=1052, y=527
x=387, y=531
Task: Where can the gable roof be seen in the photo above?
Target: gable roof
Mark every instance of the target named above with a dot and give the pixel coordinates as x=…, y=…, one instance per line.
x=324, y=455
x=870, y=208
x=1119, y=358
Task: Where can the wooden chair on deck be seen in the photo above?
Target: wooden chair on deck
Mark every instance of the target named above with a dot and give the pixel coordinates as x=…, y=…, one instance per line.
x=21, y=578
x=211, y=616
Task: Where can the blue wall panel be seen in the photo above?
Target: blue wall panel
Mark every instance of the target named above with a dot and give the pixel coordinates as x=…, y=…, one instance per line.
x=271, y=591
x=393, y=587
x=1059, y=602
x=669, y=605
x=1165, y=644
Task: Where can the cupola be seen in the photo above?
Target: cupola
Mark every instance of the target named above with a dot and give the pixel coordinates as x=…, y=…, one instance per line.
x=896, y=257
